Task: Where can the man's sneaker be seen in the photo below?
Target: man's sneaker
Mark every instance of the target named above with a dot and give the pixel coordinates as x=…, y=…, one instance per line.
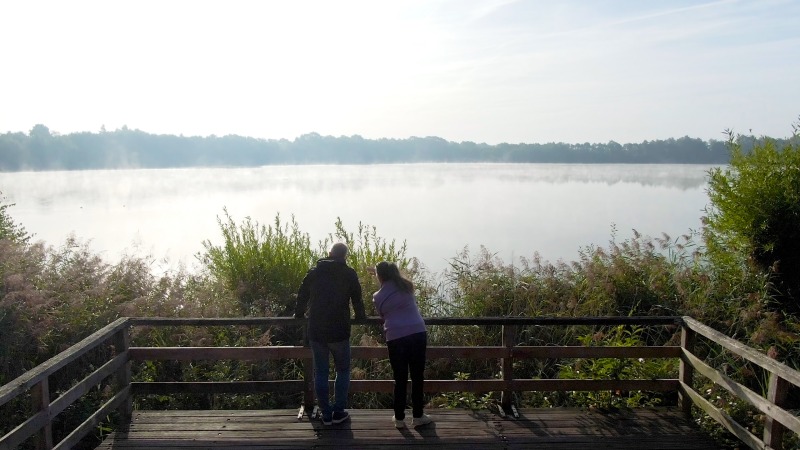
x=420, y=421
x=398, y=423
x=339, y=417
x=326, y=420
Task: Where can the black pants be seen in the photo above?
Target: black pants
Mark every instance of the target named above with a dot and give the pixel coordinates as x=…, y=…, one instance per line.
x=408, y=354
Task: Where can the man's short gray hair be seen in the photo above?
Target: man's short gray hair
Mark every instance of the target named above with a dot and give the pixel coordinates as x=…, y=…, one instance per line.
x=338, y=251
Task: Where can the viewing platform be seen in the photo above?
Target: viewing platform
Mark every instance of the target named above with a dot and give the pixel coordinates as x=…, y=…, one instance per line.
x=502, y=424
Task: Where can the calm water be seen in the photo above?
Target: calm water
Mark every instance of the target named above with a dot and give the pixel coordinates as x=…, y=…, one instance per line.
x=513, y=210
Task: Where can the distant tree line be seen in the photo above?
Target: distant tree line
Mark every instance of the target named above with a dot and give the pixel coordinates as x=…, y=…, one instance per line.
x=41, y=149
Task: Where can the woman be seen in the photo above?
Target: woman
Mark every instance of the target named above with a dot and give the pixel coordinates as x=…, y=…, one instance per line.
x=406, y=339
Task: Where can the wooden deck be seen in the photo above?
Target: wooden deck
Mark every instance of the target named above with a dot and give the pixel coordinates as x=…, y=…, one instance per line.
x=651, y=429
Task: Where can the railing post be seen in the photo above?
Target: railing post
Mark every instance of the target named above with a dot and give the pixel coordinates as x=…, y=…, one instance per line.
x=685, y=370
x=777, y=394
x=40, y=402
x=122, y=376
x=507, y=364
x=308, y=378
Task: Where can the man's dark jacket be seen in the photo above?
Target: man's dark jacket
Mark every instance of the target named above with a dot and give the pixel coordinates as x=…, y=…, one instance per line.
x=327, y=290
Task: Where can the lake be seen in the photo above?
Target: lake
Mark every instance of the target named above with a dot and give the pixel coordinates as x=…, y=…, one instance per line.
x=514, y=210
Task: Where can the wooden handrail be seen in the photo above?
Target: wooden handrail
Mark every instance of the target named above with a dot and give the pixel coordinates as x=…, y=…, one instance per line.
x=36, y=381
x=739, y=349
x=778, y=420
x=30, y=378
x=434, y=352
x=450, y=321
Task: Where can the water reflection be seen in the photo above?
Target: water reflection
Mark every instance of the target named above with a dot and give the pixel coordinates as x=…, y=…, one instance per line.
x=512, y=209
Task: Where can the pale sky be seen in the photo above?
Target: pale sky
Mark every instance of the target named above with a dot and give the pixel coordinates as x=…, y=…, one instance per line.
x=491, y=71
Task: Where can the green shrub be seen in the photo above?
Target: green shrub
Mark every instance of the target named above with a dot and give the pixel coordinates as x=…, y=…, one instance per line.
x=754, y=214
x=261, y=265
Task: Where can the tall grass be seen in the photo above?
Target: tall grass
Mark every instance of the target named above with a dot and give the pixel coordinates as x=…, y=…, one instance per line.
x=54, y=296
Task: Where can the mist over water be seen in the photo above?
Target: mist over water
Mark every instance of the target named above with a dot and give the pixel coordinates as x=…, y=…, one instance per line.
x=514, y=210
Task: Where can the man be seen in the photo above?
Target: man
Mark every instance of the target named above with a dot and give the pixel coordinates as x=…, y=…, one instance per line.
x=327, y=291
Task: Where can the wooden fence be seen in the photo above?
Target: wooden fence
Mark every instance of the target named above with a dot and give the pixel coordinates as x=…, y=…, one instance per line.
x=38, y=424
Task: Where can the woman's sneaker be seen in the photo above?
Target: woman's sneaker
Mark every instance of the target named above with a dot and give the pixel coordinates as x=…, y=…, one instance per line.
x=398, y=423
x=420, y=421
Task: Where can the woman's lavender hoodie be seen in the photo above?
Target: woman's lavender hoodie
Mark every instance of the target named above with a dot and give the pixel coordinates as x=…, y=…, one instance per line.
x=398, y=310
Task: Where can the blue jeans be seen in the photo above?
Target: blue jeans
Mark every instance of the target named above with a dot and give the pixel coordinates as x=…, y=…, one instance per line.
x=341, y=362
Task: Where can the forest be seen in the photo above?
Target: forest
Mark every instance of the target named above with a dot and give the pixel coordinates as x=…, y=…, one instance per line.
x=42, y=149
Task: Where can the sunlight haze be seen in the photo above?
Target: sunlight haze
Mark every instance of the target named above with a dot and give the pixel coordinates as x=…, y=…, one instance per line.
x=482, y=71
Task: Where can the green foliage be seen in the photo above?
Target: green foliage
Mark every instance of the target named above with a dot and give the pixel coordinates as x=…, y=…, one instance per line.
x=639, y=276
x=262, y=265
x=754, y=215
x=617, y=369
x=8, y=228
x=466, y=400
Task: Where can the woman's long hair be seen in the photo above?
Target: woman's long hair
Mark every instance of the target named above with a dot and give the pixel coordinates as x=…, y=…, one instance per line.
x=388, y=271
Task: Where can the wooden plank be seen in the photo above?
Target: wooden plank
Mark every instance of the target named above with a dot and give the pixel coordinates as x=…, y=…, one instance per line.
x=724, y=419
x=507, y=366
x=770, y=409
x=773, y=366
x=40, y=396
x=387, y=386
x=556, y=321
x=123, y=375
x=89, y=424
x=218, y=353
x=774, y=430
x=114, y=441
x=308, y=386
x=299, y=352
x=555, y=351
x=25, y=430
x=290, y=414
x=74, y=393
x=215, y=387
x=467, y=352
x=539, y=385
x=479, y=321
x=685, y=370
x=436, y=352
x=215, y=321
x=544, y=385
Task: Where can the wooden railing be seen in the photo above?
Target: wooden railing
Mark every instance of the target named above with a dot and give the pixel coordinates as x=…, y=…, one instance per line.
x=781, y=377
x=44, y=410
x=38, y=424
